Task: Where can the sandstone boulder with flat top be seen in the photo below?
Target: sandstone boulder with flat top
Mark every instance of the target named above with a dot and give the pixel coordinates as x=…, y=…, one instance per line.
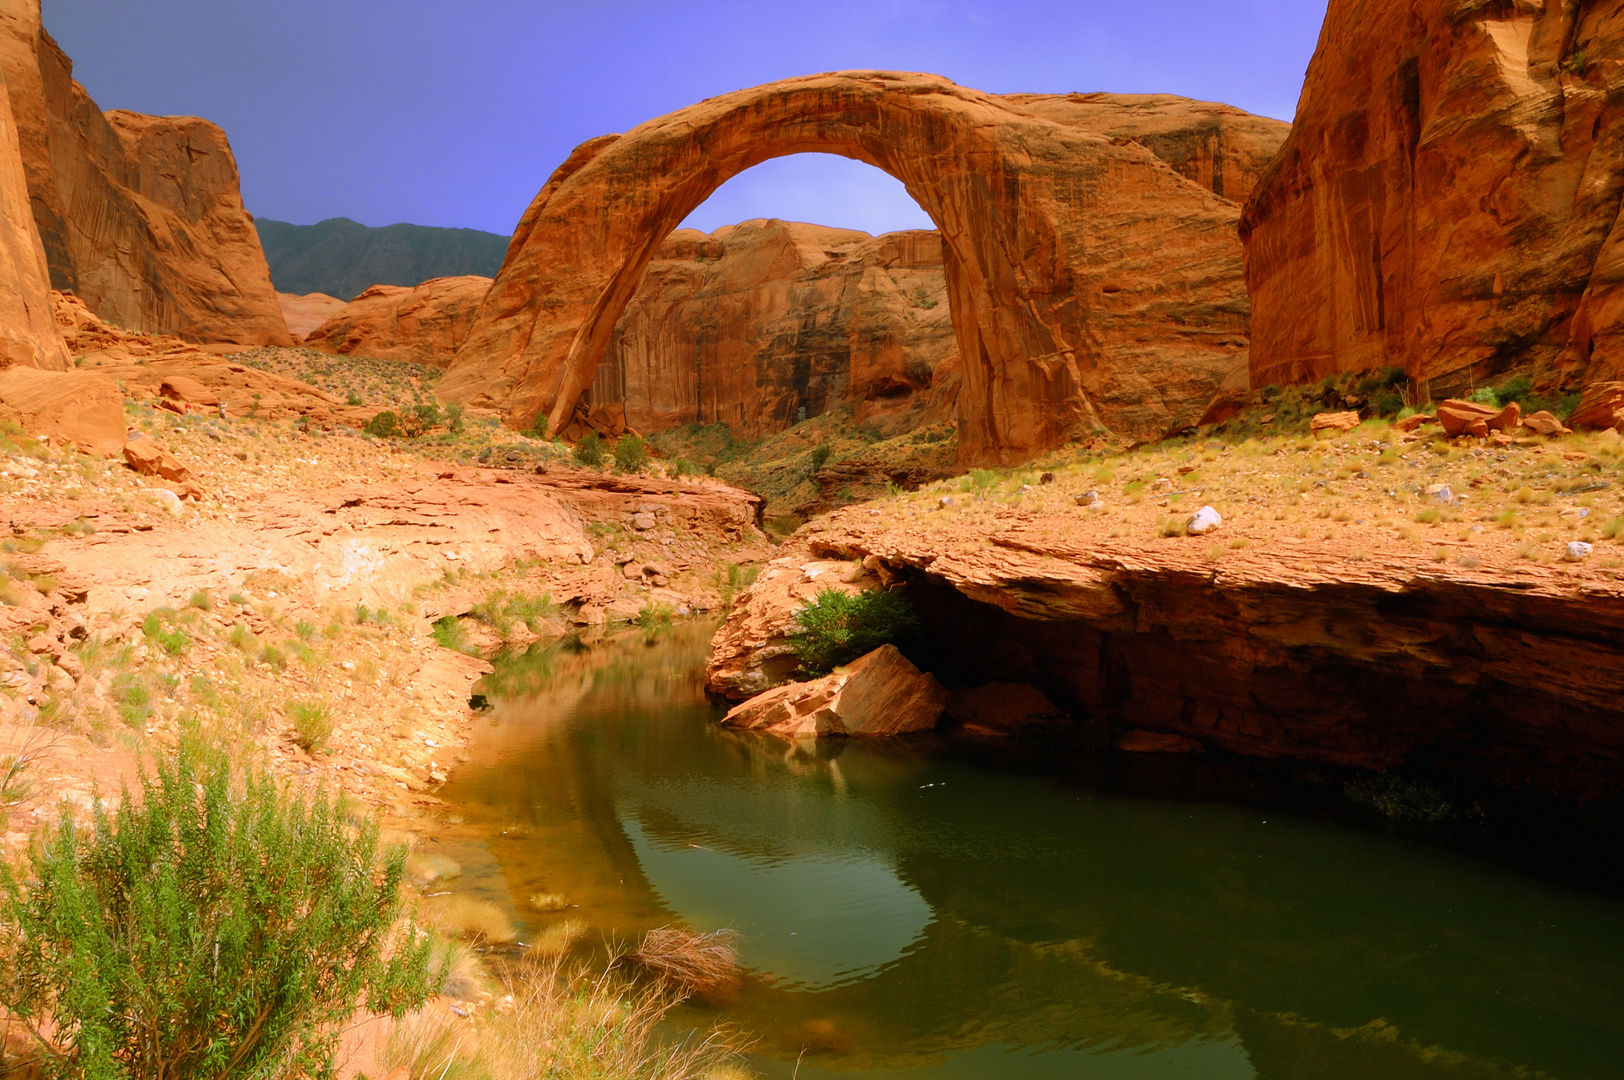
x=875, y=695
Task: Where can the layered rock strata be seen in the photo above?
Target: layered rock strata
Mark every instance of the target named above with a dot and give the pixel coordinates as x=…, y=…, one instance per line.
x=1373, y=664
x=1448, y=199
x=425, y=324
x=141, y=216
x=1091, y=285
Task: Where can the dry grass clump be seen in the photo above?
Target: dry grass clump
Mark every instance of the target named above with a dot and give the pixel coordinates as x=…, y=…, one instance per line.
x=566, y=1024
x=559, y=938
x=697, y=962
x=463, y=916
x=425, y=869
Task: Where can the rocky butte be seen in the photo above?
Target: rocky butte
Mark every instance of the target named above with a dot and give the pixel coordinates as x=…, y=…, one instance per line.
x=140, y=216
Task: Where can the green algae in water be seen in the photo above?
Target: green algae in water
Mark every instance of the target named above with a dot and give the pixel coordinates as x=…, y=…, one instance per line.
x=905, y=914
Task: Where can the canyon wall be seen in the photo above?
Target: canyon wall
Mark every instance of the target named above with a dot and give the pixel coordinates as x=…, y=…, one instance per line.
x=767, y=322
x=140, y=216
x=28, y=333
x=1448, y=199
x=1092, y=286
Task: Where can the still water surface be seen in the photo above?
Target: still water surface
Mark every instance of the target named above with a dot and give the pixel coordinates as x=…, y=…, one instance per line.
x=905, y=913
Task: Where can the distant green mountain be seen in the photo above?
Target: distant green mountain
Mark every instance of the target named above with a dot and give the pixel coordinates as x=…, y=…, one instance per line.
x=342, y=258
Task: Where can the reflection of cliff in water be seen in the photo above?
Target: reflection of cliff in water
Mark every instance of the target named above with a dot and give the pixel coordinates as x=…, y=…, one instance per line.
x=994, y=910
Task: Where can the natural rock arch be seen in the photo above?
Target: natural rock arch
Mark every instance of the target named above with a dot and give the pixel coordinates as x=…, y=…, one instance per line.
x=1090, y=284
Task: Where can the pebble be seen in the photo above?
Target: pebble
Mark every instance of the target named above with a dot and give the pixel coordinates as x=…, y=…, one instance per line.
x=1203, y=520
x=1577, y=550
x=1088, y=498
x=946, y=501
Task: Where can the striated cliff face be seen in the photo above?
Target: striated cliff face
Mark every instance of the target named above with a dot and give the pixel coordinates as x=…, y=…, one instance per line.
x=766, y=322
x=141, y=216
x=1092, y=286
x=28, y=333
x=1276, y=654
x=1448, y=199
x=420, y=325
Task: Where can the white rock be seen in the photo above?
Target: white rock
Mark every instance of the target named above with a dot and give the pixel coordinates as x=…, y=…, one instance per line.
x=1088, y=498
x=1577, y=550
x=169, y=500
x=1203, y=520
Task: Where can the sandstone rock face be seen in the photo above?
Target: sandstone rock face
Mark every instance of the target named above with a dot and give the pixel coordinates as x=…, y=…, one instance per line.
x=421, y=325
x=1448, y=197
x=879, y=694
x=141, y=216
x=28, y=334
x=750, y=652
x=83, y=409
x=1090, y=284
x=765, y=323
x=304, y=313
x=1601, y=407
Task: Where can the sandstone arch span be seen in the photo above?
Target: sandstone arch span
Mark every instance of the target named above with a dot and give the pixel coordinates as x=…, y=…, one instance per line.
x=1091, y=285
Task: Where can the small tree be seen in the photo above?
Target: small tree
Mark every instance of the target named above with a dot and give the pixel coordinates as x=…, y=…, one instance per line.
x=631, y=453
x=589, y=451
x=384, y=425
x=838, y=627
x=211, y=927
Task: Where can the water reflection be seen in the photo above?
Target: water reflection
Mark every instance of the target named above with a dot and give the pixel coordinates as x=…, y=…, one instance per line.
x=914, y=915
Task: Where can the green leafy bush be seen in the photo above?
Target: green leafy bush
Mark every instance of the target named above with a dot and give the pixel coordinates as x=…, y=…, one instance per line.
x=450, y=634
x=589, y=451
x=1485, y=395
x=820, y=458
x=385, y=425
x=312, y=723
x=214, y=926
x=631, y=453
x=838, y=627
x=453, y=418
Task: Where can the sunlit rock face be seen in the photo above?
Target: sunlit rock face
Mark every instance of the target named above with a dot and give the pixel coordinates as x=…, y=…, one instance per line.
x=1448, y=198
x=140, y=216
x=1092, y=285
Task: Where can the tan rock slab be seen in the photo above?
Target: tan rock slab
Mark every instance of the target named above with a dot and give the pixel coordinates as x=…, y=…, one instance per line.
x=880, y=694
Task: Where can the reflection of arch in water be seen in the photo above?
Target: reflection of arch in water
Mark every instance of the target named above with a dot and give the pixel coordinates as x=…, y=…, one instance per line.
x=1057, y=243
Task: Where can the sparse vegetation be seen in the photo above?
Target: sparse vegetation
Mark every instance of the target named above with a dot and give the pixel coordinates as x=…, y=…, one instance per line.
x=838, y=627
x=589, y=451
x=217, y=925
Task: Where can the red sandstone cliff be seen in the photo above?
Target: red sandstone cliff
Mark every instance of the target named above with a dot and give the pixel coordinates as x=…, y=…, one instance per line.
x=759, y=321
x=28, y=333
x=1448, y=199
x=141, y=216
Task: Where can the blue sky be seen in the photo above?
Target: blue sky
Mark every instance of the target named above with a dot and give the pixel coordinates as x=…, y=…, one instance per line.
x=454, y=112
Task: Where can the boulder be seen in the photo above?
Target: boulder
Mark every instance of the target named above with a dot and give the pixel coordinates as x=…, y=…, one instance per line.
x=147, y=457
x=1600, y=407
x=1413, y=421
x=28, y=333
x=189, y=390
x=84, y=409
x=424, y=324
x=751, y=652
x=1155, y=742
x=1203, y=521
x=1470, y=418
x=141, y=216
x=879, y=694
x=1093, y=285
x=1333, y=423
x=1450, y=185
x=1544, y=423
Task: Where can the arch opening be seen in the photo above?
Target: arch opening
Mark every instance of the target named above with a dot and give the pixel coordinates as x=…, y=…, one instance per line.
x=786, y=312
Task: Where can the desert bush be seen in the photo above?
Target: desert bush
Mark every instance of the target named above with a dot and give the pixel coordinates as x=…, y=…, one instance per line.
x=820, y=458
x=453, y=418
x=385, y=425
x=214, y=925
x=589, y=451
x=450, y=634
x=312, y=723
x=631, y=453
x=1400, y=800
x=838, y=627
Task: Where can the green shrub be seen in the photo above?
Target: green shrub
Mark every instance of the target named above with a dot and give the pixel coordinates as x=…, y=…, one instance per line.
x=312, y=723
x=449, y=634
x=201, y=600
x=631, y=453
x=589, y=451
x=213, y=926
x=838, y=627
x=385, y=425
x=1485, y=395
x=1400, y=800
x=353, y=399
x=453, y=418
x=820, y=458
x=1518, y=388
x=654, y=614
x=273, y=658
x=420, y=420
x=680, y=467
x=175, y=641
